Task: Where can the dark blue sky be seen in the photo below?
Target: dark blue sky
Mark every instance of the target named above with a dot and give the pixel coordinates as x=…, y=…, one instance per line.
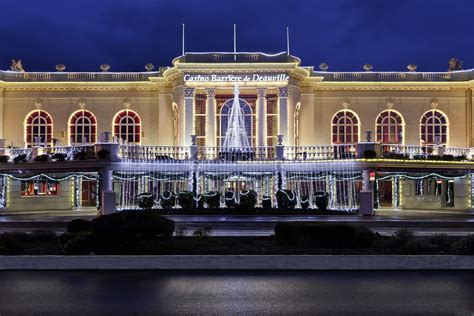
x=127, y=34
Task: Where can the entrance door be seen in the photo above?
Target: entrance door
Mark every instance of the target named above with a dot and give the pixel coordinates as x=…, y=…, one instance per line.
x=385, y=193
x=89, y=193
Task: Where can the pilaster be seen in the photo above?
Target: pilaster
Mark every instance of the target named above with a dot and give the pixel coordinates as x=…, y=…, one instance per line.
x=283, y=111
x=261, y=117
x=211, y=117
x=188, y=116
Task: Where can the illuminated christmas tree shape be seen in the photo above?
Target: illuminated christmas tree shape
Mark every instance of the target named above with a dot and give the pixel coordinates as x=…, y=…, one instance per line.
x=236, y=138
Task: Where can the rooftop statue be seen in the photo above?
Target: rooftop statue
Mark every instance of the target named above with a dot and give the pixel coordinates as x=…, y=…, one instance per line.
x=16, y=65
x=455, y=64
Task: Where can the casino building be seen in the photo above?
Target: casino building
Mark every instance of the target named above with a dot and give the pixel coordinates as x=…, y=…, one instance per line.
x=400, y=140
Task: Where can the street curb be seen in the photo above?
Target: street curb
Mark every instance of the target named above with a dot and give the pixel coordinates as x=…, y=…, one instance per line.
x=215, y=262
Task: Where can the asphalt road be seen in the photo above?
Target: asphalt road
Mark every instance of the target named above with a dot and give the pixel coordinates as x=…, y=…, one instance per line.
x=236, y=292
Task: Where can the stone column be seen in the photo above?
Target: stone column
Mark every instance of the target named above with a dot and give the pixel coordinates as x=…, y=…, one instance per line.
x=1, y=113
x=188, y=115
x=211, y=117
x=261, y=118
x=366, y=195
x=108, y=194
x=283, y=111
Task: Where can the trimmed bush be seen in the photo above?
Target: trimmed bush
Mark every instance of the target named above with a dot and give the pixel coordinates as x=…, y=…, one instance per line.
x=304, y=202
x=167, y=200
x=447, y=157
x=316, y=234
x=145, y=201
x=266, y=201
x=103, y=154
x=229, y=199
x=441, y=242
x=78, y=225
x=465, y=246
x=286, y=199
x=59, y=157
x=133, y=224
x=78, y=244
x=248, y=199
x=212, y=199
x=200, y=200
x=42, y=158
x=80, y=155
x=20, y=158
x=186, y=199
x=369, y=154
x=10, y=243
x=321, y=200
x=4, y=158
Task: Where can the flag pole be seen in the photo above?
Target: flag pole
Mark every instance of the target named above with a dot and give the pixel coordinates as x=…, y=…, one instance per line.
x=287, y=40
x=182, y=53
x=235, y=42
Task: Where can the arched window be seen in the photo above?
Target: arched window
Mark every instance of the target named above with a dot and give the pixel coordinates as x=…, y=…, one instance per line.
x=82, y=128
x=247, y=114
x=38, y=128
x=345, y=127
x=127, y=126
x=434, y=128
x=389, y=127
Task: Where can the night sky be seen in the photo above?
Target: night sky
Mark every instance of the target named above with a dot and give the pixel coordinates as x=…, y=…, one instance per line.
x=127, y=34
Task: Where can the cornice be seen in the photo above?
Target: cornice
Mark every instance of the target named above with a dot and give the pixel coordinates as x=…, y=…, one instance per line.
x=388, y=86
x=79, y=86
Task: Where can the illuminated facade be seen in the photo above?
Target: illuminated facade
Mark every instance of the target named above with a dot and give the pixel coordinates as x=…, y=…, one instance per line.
x=412, y=113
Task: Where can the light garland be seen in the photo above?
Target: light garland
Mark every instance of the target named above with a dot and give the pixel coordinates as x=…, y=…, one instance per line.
x=45, y=176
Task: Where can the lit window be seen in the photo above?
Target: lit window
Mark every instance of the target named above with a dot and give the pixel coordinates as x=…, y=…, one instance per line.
x=434, y=128
x=127, y=126
x=389, y=127
x=38, y=128
x=82, y=128
x=248, y=116
x=39, y=188
x=345, y=127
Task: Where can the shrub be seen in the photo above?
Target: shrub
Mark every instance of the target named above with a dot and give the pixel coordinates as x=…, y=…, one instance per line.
x=186, y=200
x=80, y=155
x=434, y=157
x=145, y=201
x=316, y=234
x=266, y=201
x=180, y=231
x=447, y=157
x=103, y=154
x=78, y=244
x=168, y=200
x=10, y=243
x=20, y=158
x=369, y=154
x=365, y=236
x=402, y=236
x=460, y=158
x=203, y=231
x=229, y=199
x=133, y=224
x=304, y=202
x=199, y=200
x=212, y=199
x=4, y=158
x=465, y=246
x=78, y=225
x=42, y=158
x=248, y=199
x=59, y=157
x=286, y=199
x=441, y=241
x=321, y=200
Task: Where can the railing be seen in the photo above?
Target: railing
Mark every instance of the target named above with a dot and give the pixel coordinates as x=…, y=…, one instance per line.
x=320, y=152
x=15, y=152
x=70, y=151
x=413, y=150
x=230, y=154
x=154, y=153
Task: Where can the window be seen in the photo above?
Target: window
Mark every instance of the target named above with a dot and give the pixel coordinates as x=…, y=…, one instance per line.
x=248, y=114
x=434, y=128
x=272, y=119
x=389, y=127
x=39, y=187
x=200, y=119
x=127, y=126
x=38, y=128
x=82, y=128
x=429, y=186
x=345, y=127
